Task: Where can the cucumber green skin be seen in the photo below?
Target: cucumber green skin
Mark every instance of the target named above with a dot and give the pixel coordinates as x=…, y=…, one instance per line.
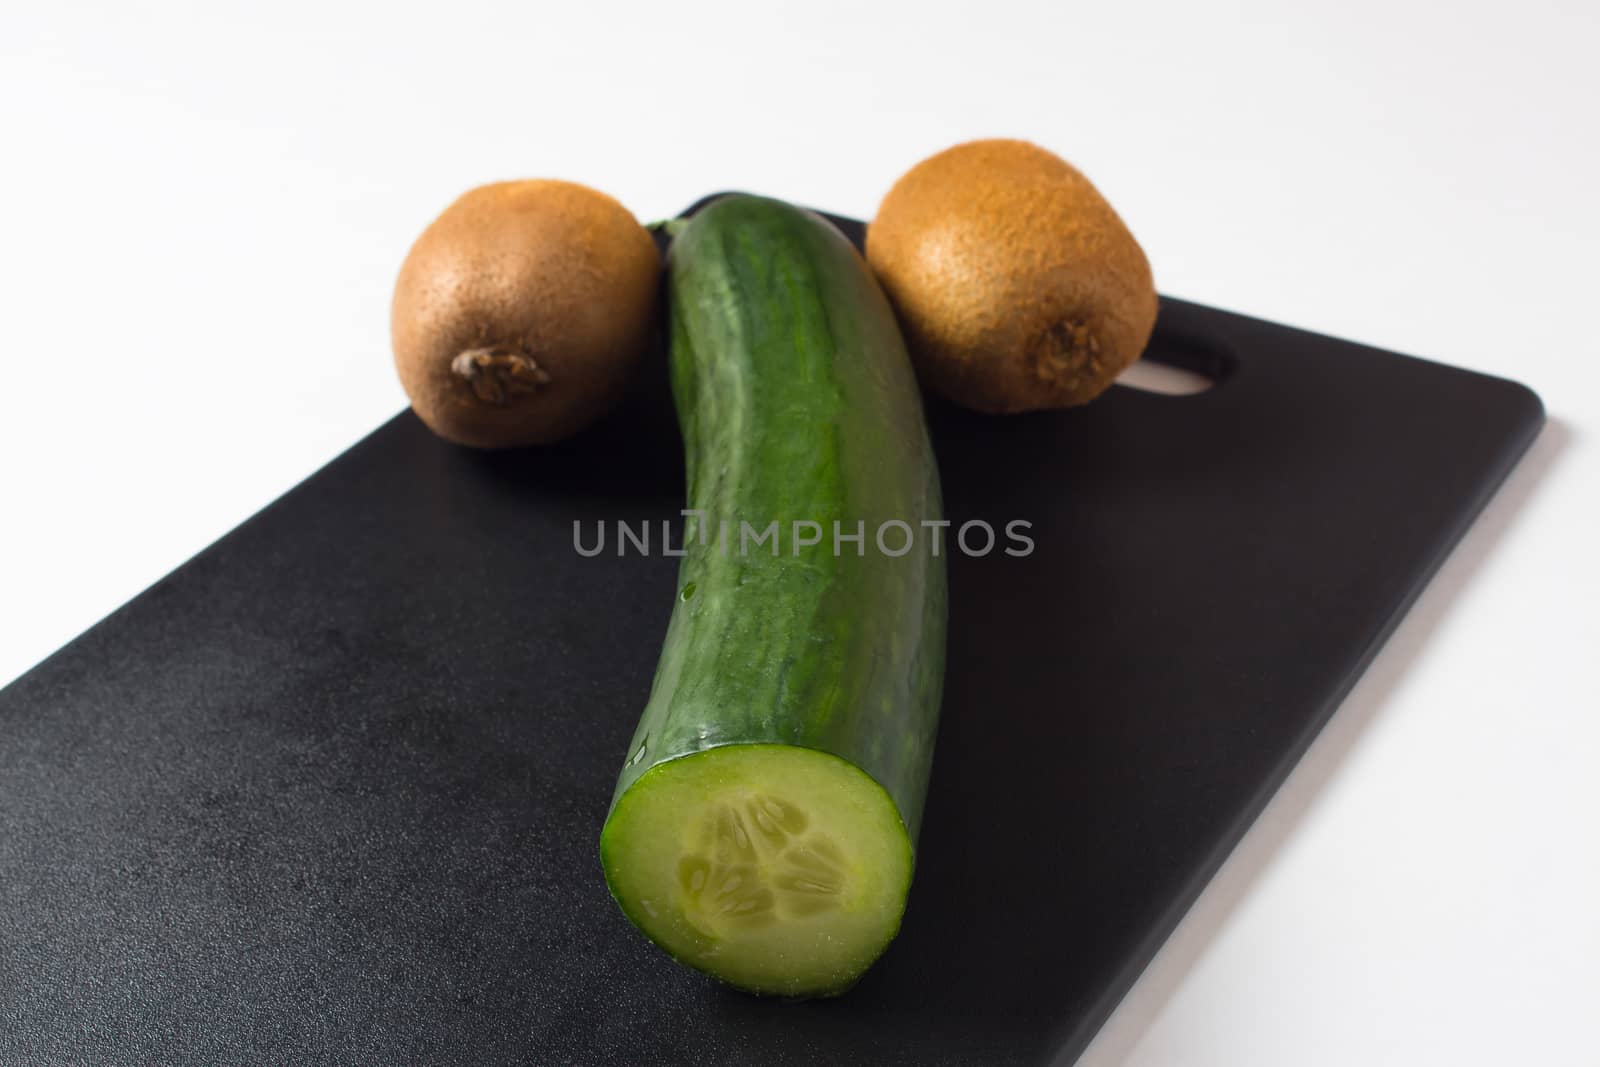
x=797, y=401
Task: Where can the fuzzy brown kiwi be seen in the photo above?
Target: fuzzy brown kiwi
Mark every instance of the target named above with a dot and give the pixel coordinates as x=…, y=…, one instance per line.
x=521, y=313
x=1016, y=284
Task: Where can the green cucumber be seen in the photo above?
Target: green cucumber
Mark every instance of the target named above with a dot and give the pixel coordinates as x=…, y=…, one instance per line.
x=763, y=826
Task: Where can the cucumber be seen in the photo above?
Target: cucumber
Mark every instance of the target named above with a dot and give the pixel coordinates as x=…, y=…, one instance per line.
x=764, y=823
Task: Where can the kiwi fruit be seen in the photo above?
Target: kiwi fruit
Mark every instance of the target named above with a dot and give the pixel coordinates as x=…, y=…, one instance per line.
x=1017, y=286
x=521, y=313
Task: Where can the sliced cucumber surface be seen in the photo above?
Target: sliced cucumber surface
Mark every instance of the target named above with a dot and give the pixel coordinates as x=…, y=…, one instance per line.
x=779, y=869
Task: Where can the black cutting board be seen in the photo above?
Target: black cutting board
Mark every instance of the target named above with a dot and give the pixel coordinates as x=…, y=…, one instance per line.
x=330, y=792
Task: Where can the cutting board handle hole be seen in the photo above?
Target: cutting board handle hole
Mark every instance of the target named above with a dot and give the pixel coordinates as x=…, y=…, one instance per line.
x=1177, y=366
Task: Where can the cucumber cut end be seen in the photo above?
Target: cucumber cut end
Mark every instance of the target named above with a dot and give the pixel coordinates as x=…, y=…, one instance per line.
x=778, y=869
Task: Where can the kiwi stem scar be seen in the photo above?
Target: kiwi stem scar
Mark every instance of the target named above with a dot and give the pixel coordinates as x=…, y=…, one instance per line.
x=1067, y=349
x=499, y=372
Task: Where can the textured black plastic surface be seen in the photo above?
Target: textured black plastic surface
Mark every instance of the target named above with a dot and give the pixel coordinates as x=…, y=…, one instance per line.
x=331, y=791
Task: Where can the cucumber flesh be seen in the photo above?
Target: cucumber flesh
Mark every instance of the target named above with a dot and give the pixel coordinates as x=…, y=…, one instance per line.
x=783, y=870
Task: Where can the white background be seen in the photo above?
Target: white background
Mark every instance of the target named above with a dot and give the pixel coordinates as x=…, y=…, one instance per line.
x=202, y=210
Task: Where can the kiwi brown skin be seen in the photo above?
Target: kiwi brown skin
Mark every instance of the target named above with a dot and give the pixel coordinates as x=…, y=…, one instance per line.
x=522, y=312
x=1017, y=286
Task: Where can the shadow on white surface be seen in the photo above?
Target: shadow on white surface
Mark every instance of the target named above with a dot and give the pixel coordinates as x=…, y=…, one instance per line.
x=1175, y=960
